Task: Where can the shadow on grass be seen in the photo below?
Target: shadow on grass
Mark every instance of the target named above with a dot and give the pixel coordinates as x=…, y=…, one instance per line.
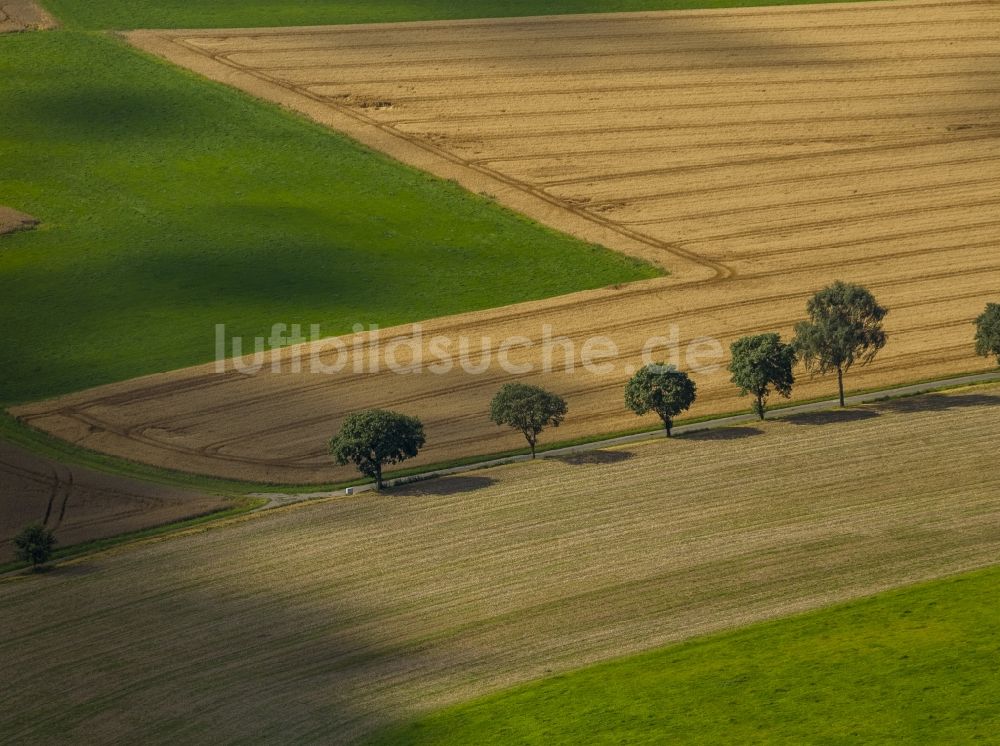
x=102, y=113
x=442, y=486
x=831, y=417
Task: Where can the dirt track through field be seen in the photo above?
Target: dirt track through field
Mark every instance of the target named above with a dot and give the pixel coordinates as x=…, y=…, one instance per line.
x=758, y=154
x=322, y=622
x=80, y=504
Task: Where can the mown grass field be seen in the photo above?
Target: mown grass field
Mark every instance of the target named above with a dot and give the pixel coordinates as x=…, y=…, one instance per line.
x=171, y=204
x=328, y=622
x=913, y=666
x=127, y=14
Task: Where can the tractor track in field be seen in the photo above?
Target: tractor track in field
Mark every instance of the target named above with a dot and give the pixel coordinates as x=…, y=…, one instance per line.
x=869, y=150
x=654, y=88
x=536, y=24
x=80, y=504
x=655, y=108
x=226, y=58
x=951, y=57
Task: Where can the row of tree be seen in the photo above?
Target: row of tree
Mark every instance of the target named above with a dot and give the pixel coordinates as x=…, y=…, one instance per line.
x=844, y=328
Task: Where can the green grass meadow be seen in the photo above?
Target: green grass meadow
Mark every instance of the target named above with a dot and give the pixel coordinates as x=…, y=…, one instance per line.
x=128, y=14
x=915, y=666
x=171, y=204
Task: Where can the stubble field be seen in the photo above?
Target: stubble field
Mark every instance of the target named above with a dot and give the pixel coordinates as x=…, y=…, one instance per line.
x=758, y=154
x=327, y=621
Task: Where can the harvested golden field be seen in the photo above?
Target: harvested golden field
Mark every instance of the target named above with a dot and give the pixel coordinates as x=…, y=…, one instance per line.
x=80, y=504
x=324, y=621
x=758, y=154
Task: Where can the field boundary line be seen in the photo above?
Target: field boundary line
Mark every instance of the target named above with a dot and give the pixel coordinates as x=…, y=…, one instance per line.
x=417, y=153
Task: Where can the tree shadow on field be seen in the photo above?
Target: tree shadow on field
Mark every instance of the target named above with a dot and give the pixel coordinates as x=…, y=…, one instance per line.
x=725, y=433
x=595, y=457
x=830, y=417
x=272, y=258
x=442, y=486
x=939, y=402
x=99, y=113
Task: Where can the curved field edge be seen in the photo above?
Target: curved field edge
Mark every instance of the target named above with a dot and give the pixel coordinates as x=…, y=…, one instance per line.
x=132, y=14
x=49, y=446
x=916, y=665
x=171, y=204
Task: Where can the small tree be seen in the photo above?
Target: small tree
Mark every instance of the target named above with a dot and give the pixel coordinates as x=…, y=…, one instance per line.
x=661, y=389
x=988, y=332
x=529, y=409
x=34, y=544
x=844, y=328
x=760, y=362
x=372, y=438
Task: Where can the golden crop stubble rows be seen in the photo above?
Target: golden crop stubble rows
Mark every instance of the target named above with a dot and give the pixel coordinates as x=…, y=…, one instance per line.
x=334, y=618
